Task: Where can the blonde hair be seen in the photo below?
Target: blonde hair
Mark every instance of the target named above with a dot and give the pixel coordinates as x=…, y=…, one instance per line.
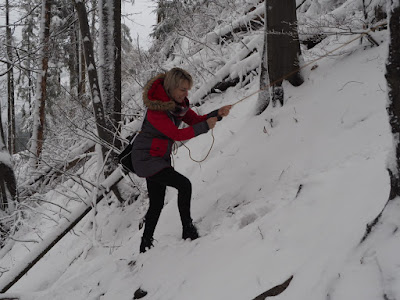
x=174, y=77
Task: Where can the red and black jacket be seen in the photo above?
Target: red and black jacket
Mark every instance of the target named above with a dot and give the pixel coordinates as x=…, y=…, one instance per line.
x=153, y=145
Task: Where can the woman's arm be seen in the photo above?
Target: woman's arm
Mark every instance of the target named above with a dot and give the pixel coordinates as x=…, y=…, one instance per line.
x=192, y=118
x=164, y=124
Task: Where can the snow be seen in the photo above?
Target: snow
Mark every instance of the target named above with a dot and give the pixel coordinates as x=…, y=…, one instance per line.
x=238, y=65
x=289, y=192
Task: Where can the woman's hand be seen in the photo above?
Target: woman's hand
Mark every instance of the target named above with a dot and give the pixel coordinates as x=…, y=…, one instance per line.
x=211, y=122
x=224, y=110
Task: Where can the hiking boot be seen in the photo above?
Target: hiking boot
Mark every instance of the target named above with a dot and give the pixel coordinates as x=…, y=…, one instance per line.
x=146, y=244
x=190, y=232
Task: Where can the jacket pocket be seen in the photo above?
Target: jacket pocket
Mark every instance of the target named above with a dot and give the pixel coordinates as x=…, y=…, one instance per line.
x=159, y=147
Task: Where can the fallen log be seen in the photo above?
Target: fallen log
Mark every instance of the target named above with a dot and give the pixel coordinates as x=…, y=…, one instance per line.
x=252, y=20
x=27, y=188
x=243, y=56
x=12, y=277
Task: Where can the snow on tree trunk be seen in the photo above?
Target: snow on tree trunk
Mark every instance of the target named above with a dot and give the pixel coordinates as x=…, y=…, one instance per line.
x=106, y=63
x=117, y=117
x=390, y=212
x=110, y=63
x=226, y=71
x=283, y=47
x=264, y=96
x=393, y=81
x=93, y=77
x=81, y=67
x=40, y=100
x=1, y=127
x=103, y=131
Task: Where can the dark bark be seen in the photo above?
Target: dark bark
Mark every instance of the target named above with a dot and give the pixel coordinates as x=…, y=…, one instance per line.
x=110, y=16
x=8, y=183
x=117, y=116
x=283, y=46
x=2, y=138
x=106, y=69
x=73, y=59
x=3, y=195
x=10, y=84
x=393, y=82
x=43, y=82
x=276, y=290
x=103, y=130
x=82, y=71
x=264, y=96
x=281, y=52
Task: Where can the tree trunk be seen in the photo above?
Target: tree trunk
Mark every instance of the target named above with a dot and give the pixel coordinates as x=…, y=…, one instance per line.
x=73, y=60
x=282, y=48
x=7, y=177
x=8, y=186
x=110, y=67
x=393, y=81
x=106, y=62
x=93, y=77
x=393, y=108
x=117, y=110
x=40, y=101
x=264, y=96
x=10, y=84
x=82, y=68
x=103, y=132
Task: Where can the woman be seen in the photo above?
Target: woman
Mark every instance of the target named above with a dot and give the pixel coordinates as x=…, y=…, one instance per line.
x=165, y=97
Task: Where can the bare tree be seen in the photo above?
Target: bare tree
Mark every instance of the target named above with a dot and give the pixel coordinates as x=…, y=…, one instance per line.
x=98, y=108
x=40, y=101
x=281, y=55
x=103, y=132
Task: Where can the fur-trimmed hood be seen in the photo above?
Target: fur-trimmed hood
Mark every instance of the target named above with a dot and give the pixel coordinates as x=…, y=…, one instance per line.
x=155, y=97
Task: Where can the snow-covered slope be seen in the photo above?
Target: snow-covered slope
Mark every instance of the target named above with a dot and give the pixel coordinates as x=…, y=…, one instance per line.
x=285, y=193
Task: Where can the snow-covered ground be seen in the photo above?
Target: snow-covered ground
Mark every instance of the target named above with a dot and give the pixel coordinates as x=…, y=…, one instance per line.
x=289, y=192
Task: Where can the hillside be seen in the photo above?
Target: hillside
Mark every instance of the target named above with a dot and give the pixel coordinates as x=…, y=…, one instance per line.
x=287, y=193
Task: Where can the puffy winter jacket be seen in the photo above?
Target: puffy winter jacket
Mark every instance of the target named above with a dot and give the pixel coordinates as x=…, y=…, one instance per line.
x=153, y=145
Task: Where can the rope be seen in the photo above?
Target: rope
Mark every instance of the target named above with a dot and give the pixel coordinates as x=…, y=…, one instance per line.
x=208, y=153
x=311, y=62
x=285, y=77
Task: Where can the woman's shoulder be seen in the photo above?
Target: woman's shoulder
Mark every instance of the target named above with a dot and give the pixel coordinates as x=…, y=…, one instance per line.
x=155, y=97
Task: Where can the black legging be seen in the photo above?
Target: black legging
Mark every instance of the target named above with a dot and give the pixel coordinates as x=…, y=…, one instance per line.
x=156, y=186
